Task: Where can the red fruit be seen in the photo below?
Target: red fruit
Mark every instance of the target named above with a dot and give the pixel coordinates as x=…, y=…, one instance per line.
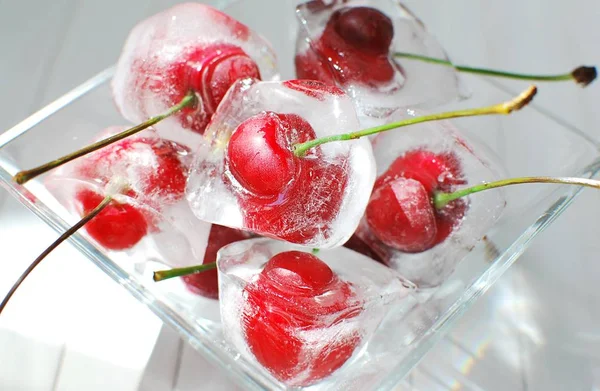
x=400, y=212
x=294, y=294
x=353, y=47
x=206, y=283
x=152, y=165
x=156, y=176
x=364, y=28
x=208, y=71
x=117, y=226
x=282, y=195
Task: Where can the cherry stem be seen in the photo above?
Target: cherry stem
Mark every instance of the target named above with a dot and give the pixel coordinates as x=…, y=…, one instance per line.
x=440, y=199
x=25, y=176
x=502, y=108
x=582, y=75
x=182, y=271
x=56, y=243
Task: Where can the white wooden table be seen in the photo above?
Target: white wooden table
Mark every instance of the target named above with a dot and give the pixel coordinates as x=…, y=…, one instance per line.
x=61, y=333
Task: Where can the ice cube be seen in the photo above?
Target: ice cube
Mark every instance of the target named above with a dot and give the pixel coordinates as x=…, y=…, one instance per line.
x=352, y=43
x=246, y=176
x=149, y=219
x=419, y=160
x=187, y=47
x=304, y=316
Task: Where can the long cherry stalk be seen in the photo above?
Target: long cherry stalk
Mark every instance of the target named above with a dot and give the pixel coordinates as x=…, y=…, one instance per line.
x=55, y=244
x=502, y=108
x=582, y=75
x=26, y=175
x=441, y=199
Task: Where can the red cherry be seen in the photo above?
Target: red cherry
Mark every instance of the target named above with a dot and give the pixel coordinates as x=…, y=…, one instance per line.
x=208, y=70
x=295, y=293
x=117, y=226
x=435, y=171
x=153, y=165
x=366, y=29
x=401, y=215
x=400, y=212
x=259, y=155
x=212, y=70
x=168, y=178
x=282, y=195
x=206, y=283
x=354, y=46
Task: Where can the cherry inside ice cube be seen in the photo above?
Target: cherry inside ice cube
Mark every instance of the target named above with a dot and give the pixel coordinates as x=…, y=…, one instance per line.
x=247, y=175
x=401, y=213
x=352, y=44
x=401, y=223
x=276, y=184
x=353, y=47
x=292, y=285
x=190, y=47
x=302, y=316
x=151, y=173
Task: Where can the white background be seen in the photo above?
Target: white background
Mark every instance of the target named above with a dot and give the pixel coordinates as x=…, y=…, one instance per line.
x=81, y=333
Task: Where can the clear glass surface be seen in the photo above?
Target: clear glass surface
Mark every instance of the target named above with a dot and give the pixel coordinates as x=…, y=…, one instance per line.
x=526, y=143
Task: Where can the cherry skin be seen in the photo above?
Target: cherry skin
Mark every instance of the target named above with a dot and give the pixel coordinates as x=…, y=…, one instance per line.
x=208, y=71
x=354, y=47
x=206, y=283
x=407, y=223
x=258, y=155
x=156, y=176
x=400, y=212
x=294, y=293
x=154, y=166
x=364, y=28
x=117, y=227
x=282, y=195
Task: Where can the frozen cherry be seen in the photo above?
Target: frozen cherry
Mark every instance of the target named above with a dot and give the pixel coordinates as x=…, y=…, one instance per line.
x=117, y=227
x=153, y=167
x=292, y=295
x=154, y=173
x=401, y=213
x=208, y=71
x=206, y=283
x=354, y=47
x=365, y=28
x=275, y=186
x=259, y=155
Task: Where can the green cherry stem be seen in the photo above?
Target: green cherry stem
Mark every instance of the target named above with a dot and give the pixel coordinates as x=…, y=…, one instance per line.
x=502, y=108
x=56, y=243
x=24, y=176
x=440, y=199
x=182, y=271
x=582, y=75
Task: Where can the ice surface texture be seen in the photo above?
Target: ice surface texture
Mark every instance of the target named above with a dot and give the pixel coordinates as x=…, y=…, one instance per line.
x=187, y=47
x=316, y=318
x=433, y=266
x=149, y=216
x=322, y=203
x=378, y=83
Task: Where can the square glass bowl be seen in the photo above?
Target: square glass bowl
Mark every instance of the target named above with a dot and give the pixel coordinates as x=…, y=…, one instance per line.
x=523, y=144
